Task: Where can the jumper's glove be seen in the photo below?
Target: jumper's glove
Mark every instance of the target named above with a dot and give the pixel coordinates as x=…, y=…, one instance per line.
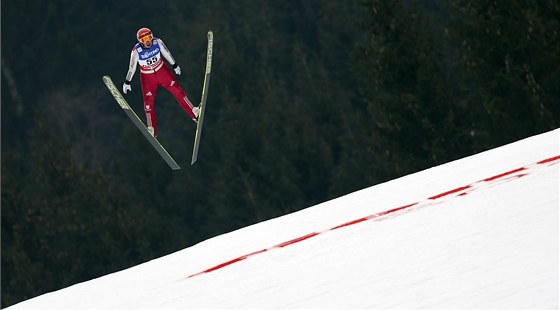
x=126, y=87
x=177, y=69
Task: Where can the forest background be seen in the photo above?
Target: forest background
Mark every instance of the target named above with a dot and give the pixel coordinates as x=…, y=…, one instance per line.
x=309, y=100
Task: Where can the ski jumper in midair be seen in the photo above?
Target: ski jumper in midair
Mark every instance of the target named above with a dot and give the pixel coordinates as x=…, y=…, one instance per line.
x=147, y=53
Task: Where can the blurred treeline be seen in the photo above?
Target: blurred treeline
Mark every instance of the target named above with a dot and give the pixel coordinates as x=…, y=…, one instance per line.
x=309, y=100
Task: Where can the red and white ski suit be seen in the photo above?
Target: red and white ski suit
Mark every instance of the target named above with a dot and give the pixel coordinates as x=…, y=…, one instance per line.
x=154, y=73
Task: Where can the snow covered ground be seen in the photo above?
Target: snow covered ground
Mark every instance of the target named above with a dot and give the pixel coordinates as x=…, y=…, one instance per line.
x=481, y=232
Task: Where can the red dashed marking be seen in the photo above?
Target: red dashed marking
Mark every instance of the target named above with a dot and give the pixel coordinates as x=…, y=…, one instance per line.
x=396, y=209
x=551, y=159
x=296, y=240
x=453, y=191
x=233, y=261
x=257, y=252
x=363, y=219
x=460, y=192
x=499, y=176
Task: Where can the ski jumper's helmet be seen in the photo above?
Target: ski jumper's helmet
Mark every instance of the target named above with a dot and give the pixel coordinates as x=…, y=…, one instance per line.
x=144, y=35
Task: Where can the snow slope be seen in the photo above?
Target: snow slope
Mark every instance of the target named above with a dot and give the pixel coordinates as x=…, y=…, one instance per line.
x=481, y=232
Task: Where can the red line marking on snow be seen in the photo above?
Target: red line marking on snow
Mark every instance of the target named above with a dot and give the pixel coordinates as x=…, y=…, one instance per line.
x=233, y=261
x=551, y=159
x=296, y=240
x=504, y=174
x=453, y=191
x=373, y=216
x=257, y=252
x=354, y=222
x=396, y=209
x=460, y=191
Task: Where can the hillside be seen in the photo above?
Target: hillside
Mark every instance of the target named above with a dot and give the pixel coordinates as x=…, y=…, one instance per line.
x=480, y=232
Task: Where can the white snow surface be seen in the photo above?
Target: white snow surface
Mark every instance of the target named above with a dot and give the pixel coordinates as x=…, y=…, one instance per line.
x=476, y=233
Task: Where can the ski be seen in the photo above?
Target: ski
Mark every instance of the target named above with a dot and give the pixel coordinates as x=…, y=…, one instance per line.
x=138, y=123
x=203, y=98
